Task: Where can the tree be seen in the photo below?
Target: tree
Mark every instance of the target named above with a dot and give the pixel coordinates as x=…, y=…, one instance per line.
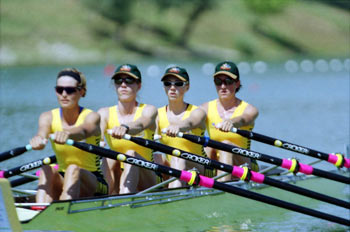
x=266, y=8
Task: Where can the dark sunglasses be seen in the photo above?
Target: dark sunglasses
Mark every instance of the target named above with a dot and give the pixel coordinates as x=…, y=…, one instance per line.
x=226, y=81
x=69, y=90
x=128, y=80
x=174, y=83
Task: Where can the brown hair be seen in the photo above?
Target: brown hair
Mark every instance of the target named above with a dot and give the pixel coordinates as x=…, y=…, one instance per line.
x=75, y=74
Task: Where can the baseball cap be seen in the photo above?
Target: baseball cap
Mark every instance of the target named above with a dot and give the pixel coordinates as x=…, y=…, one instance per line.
x=128, y=69
x=228, y=68
x=178, y=72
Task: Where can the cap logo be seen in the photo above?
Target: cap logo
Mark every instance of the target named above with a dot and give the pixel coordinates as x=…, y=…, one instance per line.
x=174, y=70
x=225, y=66
x=125, y=68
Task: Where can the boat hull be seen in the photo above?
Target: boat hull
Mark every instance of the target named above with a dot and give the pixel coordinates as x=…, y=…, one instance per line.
x=183, y=210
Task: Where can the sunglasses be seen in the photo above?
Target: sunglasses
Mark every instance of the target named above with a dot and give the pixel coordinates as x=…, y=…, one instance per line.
x=69, y=90
x=226, y=81
x=128, y=81
x=174, y=83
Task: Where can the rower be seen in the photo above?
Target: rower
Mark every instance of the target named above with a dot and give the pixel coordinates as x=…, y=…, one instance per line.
x=132, y=117
x=178, y=116
x=226, y=112
x=79, y=173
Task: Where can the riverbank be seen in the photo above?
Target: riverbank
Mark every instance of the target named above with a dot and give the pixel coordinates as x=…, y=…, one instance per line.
x=68, y=32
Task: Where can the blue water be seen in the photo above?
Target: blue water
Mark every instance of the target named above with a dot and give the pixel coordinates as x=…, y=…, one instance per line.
x=306, y=108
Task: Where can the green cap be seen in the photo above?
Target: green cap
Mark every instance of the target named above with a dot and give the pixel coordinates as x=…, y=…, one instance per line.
x=128, y=69
x=178, y=72
x=227, y=68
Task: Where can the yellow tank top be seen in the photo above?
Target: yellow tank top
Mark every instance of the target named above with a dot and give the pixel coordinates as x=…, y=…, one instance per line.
x=122, y=145
x=215, y=134
x=66, y=154
x=180, y=143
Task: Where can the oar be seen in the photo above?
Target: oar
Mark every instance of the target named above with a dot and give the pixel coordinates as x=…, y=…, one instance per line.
x=14, y=152
x=194, y=178
x=21, y=181
x=27, y=167
x=292, y=165
x=337, y=159
x=242, y=173
x=26, y=178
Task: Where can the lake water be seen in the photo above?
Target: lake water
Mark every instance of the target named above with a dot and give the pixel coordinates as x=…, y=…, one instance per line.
x=307, y=106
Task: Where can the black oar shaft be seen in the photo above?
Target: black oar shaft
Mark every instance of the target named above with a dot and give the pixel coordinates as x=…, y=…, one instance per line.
x=206, y=182
x=21, y=181
x=228, y=168
x=262, y=157
x=14, y=152
x=280, y=203
x=28, y=166
x=286, y=145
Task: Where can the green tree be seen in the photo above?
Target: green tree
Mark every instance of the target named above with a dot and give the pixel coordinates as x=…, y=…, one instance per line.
x=117, y=11
x=266, y=8
x=120, y=13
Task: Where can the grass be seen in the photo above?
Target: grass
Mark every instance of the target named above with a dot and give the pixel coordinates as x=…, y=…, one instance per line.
x=65, y=31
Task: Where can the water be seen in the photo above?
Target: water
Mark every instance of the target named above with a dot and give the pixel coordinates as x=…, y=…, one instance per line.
x=306, y=108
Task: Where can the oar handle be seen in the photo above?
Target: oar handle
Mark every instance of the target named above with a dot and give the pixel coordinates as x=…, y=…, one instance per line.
x=14, y=152
x=179, y=134
x=128, y=137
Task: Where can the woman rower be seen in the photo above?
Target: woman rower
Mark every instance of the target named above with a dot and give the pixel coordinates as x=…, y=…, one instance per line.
x=134, y=118
x=79, y=173
x=179, y=116
x=226, y=112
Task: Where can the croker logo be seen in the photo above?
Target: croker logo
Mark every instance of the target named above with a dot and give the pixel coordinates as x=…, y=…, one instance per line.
x=174, y=70
x=225, y=66
x=126, y=68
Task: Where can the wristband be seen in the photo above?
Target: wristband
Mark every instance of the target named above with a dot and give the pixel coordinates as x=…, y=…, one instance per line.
x=126, y=126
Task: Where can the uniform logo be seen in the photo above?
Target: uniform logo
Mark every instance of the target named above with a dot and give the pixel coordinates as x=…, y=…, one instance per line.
x=225, y=66
x=174, y=70
x=125, y=68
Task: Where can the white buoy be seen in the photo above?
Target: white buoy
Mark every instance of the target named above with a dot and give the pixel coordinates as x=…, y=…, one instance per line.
x=321, y=65
x=208, y=69
x=307, y=66
x=259, y=67
x=153, y=71
x=335, y=65
x=291, y=66
x=244, y=67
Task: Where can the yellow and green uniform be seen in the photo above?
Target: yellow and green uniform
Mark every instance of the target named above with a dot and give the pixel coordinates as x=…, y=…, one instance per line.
x=122, y=145
x=213, y=117
x=181, y=143
x=67, y=155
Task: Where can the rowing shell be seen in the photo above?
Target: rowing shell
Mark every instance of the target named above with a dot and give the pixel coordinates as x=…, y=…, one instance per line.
x=194, y=209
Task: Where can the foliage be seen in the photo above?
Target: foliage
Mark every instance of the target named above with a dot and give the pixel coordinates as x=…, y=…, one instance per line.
x=264, y=7
x=118, y=11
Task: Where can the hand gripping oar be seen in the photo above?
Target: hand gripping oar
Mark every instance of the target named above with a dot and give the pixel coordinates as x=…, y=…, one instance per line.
x=27, y=167
x=242, y=173
x=292, y=165
x=337, y=159
x=14, y=152
x=194, y=178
